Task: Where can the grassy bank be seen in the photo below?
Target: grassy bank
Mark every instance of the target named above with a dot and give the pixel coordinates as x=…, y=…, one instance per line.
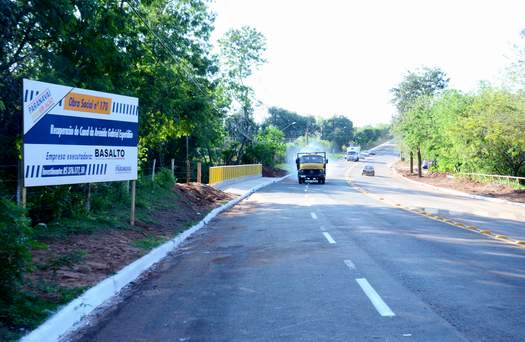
x=71, y=253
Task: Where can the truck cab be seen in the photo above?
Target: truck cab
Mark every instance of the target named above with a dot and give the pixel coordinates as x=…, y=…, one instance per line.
x=311, y=166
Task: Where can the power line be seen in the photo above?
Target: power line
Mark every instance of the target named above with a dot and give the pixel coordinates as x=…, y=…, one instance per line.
x=167, y=47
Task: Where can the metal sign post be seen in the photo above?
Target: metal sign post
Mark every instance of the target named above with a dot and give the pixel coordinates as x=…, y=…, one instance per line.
x=133, y=193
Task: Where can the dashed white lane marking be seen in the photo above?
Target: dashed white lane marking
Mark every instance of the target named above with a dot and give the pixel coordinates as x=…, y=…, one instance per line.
x=329, y=238
x=314, y=216
x=374, y=297
x=307, y=200
x=350, y=264
x=322, y=228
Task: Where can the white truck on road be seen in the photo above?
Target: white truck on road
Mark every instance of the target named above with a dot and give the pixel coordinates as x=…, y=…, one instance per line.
x=352, y=153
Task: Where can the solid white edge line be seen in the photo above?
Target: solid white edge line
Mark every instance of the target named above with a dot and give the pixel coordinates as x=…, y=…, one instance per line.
x=374, y=297
x=72, y=316
x=328, y=237
x=314, y=216
x=350, y=264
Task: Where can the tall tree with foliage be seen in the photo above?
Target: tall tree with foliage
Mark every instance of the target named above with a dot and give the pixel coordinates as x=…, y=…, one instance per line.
x=292, y=124
x=480, y=132
x=416, y=126
x=338, y=130
x=369, y=135
x=268, y=148
x=425, y=82
x=515, y=73
x=241, y=53
x=29, y=35
x=492, y=134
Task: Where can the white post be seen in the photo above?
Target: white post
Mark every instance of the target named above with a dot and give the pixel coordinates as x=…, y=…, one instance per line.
x=153, y=171
x=199, y=172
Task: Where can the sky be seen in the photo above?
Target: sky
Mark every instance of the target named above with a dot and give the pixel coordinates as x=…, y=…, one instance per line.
x=342, y=57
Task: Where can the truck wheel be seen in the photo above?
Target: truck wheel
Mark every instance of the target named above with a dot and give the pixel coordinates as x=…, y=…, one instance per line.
x=300, y=181
x=321, y=180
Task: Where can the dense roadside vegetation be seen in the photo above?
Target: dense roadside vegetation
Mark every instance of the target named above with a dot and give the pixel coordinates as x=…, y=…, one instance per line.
x=477, y=132
x=192, y=102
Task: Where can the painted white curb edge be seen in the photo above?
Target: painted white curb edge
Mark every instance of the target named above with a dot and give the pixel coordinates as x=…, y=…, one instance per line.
x=70, y=317
x=456, y=192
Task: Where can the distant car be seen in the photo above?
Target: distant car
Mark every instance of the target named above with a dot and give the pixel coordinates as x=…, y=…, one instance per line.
x=368, y=170
x=428, y=163
x=372, y=153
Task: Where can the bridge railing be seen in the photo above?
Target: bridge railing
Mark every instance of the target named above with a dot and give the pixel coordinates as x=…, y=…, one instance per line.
x=220, y=174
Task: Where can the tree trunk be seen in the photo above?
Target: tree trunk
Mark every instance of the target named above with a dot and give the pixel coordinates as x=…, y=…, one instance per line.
x=239, y=152
x=210, y=155
x=419, y=163
x=411, y=162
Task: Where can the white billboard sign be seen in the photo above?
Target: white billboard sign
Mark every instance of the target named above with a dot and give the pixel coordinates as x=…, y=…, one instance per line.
x=74, y=135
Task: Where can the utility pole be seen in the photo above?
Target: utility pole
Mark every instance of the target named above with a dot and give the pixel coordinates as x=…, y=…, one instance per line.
x=306, y=135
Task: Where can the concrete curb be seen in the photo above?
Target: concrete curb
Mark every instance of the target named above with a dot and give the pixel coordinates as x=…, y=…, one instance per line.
x=455, y=192
x=70, y=317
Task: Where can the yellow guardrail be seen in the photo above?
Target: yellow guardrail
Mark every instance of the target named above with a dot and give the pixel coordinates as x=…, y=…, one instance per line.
x=223, y=173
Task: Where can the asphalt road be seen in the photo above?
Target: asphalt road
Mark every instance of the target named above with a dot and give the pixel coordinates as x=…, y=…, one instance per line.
x=328, y=263
x=505, y=219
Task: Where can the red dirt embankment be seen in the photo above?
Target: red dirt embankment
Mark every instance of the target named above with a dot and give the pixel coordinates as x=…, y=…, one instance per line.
x=470, y=186
x=82, y=260
x=273, y=172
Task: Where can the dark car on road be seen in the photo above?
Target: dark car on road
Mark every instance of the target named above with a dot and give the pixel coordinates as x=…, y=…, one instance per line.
x=368, y=170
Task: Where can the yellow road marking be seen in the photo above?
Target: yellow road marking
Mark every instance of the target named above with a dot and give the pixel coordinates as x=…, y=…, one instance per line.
x=486, y=232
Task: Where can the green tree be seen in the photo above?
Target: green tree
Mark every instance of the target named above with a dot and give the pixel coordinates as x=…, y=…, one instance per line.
x=481, y=132
x=29, y=32
x=425, y=82
x=14, y=254
x=241, y=53
x=338, y=130
x=416, y=127
x=268, y=148
x=296, y=125
x=444, y=144
x=241, y=133
x=515, y=73
x=369, y=135
x=491, y=135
